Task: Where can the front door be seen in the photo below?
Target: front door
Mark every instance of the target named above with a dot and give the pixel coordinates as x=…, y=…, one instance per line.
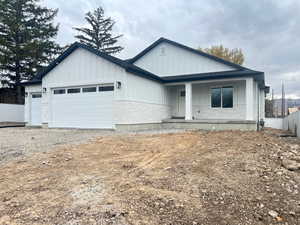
x=181, y=102
x=36, y=109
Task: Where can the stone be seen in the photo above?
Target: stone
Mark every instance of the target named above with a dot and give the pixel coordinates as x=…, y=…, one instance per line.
x=291, y=165
x=273, y=213
x=292, y=213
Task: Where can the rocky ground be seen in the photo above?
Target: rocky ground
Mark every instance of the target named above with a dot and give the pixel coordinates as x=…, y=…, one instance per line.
x=190, y=178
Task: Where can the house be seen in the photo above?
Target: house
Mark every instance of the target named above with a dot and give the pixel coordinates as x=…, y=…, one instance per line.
x=293, y=109
x=167, y=85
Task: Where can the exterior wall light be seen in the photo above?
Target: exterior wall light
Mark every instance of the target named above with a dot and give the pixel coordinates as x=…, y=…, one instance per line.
x=44, y=90
x=26, y=94
x=119, y=84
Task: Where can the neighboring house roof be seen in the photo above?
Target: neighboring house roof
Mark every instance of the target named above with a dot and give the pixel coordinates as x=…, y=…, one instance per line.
x=130, y=67
x=195, y=51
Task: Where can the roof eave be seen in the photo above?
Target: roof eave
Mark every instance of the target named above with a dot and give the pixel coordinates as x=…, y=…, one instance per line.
x=160, y=40
x=200, y=77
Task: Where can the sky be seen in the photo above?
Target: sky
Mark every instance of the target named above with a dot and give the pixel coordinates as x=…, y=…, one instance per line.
x=268, y=31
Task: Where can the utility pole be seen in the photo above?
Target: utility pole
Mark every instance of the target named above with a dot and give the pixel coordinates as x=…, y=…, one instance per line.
x=272, y=104
x=282, y=101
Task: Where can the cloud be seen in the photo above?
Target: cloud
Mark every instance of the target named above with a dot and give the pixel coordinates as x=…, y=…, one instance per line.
x=267, y=31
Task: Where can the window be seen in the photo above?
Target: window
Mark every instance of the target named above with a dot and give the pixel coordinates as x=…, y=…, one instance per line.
x=73, y=90
x=59, y=91
x=36, y=95
x=216, y=97
x=89, y=89
x=227, y=97
x=222, y=97
x=106, y=88
x=182, y=93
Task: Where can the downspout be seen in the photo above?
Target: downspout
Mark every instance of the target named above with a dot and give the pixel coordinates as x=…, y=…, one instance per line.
x=258, y=106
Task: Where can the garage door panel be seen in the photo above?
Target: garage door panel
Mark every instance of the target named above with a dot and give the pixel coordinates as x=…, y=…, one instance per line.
x=83, y=110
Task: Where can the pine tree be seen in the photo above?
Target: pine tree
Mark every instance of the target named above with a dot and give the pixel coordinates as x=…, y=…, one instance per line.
x=99, y=34
x=27, y=41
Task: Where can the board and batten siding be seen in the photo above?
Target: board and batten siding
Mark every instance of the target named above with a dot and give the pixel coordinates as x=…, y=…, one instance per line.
x=168, y=60
x=79, y=69
x=201, y=101
x=139, y=100
x=146, y=101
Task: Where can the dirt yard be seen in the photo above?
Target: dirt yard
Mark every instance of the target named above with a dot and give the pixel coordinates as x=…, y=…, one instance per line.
x=167, y=179
x=21, y=142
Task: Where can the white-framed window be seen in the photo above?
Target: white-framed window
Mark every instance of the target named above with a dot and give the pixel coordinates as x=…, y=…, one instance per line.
x=222, y=97
x=36, y=95
x=59, y=91
x=89, y=89
x=106, y=87
x=73, y=90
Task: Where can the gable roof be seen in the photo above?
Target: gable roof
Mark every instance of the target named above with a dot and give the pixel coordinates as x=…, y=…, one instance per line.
x=195, y=51
x=131, y=68
x=122, y=63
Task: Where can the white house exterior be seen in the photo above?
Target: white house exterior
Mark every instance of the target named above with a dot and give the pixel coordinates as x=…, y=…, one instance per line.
x=166, y=85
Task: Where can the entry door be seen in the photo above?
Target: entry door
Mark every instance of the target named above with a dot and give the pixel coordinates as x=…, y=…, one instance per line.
x=36, y=109
x=181, y=102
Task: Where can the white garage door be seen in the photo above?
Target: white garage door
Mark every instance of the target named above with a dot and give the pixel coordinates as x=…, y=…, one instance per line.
x=82, y=107
x=36, y=109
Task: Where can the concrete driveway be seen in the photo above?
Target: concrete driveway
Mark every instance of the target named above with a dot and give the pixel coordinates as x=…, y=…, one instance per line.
x=19, y=142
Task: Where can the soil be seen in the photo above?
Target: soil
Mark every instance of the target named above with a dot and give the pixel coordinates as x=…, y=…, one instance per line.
x=228, y=177
x=21, y=142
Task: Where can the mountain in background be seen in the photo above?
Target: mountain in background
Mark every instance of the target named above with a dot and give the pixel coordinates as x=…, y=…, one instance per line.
x=289, y=103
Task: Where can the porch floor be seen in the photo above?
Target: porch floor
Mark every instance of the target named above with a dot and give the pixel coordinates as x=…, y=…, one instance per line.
x=210, y=121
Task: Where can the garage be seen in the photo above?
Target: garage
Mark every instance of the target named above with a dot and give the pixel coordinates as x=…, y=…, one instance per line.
x=36, y=109
x=82, y=107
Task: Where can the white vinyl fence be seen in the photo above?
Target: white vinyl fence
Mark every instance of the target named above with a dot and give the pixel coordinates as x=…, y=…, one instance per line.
x=292, y=123
x=11, y=113
x=276, y=123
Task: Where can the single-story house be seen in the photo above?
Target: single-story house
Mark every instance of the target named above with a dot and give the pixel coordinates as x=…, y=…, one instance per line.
x=167, y=85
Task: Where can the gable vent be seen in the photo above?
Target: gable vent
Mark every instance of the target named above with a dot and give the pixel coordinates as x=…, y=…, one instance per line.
x=162, y=51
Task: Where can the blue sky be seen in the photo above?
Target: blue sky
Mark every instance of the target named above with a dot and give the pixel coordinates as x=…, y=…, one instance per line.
x=267, y=30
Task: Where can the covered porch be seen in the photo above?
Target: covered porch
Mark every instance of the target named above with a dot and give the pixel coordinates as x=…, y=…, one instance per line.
x=235, y=102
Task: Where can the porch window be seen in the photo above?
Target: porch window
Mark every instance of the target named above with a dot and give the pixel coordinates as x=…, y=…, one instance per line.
x=222, y=97
x=216, y=97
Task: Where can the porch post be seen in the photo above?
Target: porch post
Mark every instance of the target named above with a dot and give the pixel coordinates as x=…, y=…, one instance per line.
x=188, y=102
x=249, y=99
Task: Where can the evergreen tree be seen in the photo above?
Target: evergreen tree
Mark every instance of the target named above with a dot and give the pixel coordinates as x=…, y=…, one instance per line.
x=27, y=41
x=99, y=34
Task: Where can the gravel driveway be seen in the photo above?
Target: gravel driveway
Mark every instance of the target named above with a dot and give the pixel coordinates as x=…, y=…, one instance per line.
x=18, y=142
